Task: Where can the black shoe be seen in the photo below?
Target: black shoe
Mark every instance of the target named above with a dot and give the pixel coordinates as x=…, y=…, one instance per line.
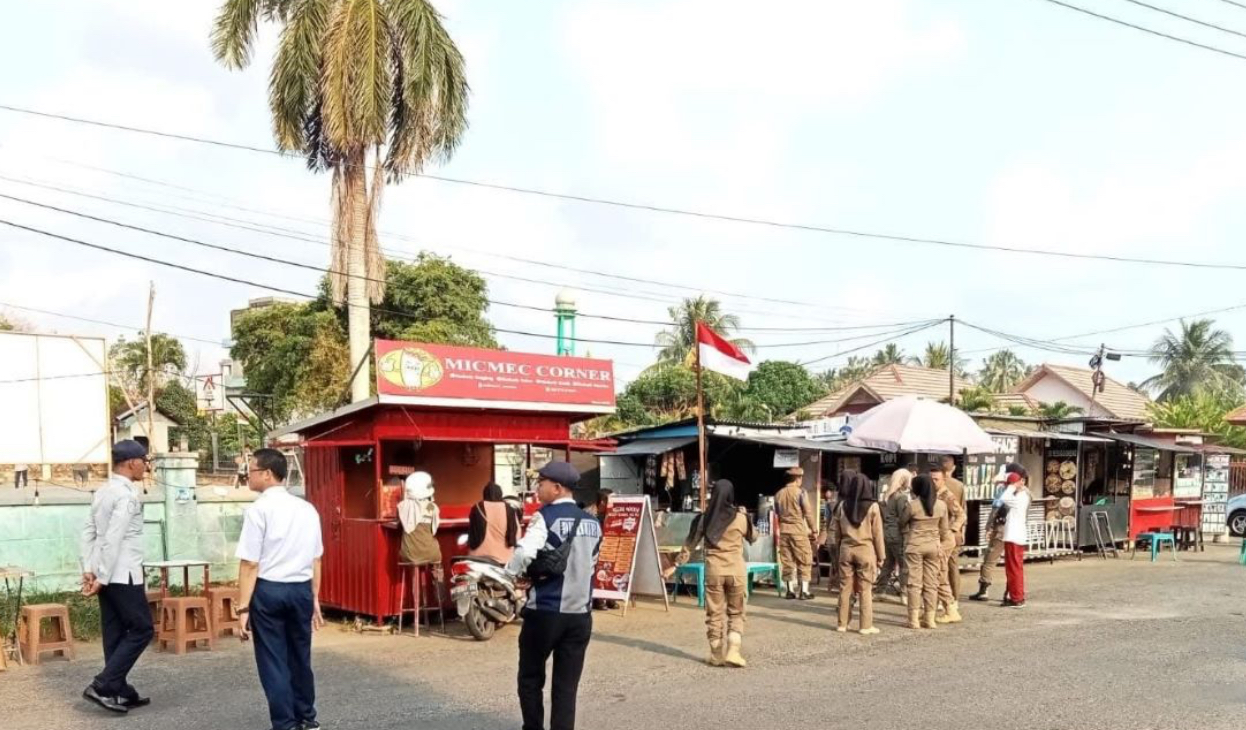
x=981, y=595
x=790, y=596
x=806, y=596
x=1016, y=604
x=310, y=725
x=131, y=702
x=112, y=704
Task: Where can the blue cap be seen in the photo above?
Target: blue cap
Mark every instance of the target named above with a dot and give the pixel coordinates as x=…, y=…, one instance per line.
x=126, y=450
x=561, y=472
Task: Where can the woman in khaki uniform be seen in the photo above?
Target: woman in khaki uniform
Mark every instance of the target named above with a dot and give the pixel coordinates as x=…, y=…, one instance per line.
x=723, y=528
x=858, y=542
x=926, y=530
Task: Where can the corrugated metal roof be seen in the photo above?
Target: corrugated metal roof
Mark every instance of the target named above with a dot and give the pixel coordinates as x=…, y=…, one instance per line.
x=1149, y=443
x=1053, y=435
x=644, y=447
x=792, y=442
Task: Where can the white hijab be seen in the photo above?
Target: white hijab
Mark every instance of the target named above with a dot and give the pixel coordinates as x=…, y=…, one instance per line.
x=417, y=505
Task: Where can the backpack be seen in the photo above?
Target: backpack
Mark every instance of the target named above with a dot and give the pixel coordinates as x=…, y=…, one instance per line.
x=551, y=563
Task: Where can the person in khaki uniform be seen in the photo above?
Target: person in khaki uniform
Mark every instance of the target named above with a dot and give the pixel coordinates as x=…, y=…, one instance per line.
x=857, y=542
x=797, y=529
x=994, y=536
x=957, y=488
x=956, y=523
x=723, y=529
x=898, y=494
x=926, y=529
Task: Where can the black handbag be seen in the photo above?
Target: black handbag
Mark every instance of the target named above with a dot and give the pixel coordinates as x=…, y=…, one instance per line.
x=1001, y=516
x=551, y=563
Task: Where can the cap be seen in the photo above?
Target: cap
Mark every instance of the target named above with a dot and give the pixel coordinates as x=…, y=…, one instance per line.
x=1013, y=478
x=126, y=450
x=560, y=472
x=795, y=471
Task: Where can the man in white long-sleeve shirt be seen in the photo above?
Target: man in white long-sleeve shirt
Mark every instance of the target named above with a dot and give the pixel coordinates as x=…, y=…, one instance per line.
x=112, y=568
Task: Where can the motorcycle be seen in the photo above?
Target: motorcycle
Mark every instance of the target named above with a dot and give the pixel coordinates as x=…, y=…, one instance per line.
x=485, y=595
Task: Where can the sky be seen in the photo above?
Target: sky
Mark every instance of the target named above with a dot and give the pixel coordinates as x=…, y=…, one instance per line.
x=1016, y=123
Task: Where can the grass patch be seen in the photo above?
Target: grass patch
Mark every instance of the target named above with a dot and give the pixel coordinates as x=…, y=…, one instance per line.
x=84, y=612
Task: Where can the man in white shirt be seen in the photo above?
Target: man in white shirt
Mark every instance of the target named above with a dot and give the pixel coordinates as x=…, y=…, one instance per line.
x=279, y=575
x=112, y=568
x=1016, y=498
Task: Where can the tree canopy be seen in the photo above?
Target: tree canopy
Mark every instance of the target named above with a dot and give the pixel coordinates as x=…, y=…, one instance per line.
x=680, y=338
x=1002, y=371
x=1198, y=357
x=129, y=361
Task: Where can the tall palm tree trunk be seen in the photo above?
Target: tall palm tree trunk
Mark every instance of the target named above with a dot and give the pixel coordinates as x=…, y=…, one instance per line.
x=359, y=314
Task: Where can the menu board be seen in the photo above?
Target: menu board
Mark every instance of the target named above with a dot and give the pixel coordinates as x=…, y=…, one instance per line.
x=628, y=564
x=1215, y=494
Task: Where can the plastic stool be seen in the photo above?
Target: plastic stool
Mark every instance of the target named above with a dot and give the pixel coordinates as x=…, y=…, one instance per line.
x=698, y=571
x=34, y=641
x=223, y=613
x=184, y=623
x=1157, y=539
x=1241, y=555
x=420, y=574
x=771, y=569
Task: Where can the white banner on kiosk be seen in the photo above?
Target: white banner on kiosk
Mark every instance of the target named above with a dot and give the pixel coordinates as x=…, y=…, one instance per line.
x=629, y=564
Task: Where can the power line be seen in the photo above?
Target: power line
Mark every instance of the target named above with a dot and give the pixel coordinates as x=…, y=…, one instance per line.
x=106, y=323
x=1234, y=2
x=1127, y=24
x=1196, y=21
x=810, y=228
x=869, y=345
x=297, y=235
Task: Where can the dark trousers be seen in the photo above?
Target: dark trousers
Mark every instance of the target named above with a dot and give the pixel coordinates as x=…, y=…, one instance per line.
x=21, y=479
x=281, y=618
x=126, y=623
x=565, y=635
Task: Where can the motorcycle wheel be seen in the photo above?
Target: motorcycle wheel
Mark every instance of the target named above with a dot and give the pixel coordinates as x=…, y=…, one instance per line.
x=480, y=626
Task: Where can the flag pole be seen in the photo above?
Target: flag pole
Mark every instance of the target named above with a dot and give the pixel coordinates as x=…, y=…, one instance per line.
x=700, y=417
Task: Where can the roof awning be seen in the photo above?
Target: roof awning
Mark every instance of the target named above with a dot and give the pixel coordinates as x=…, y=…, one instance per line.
x=1049, y=435
x=790, y=442
x=646, y=447
x=1150, y=443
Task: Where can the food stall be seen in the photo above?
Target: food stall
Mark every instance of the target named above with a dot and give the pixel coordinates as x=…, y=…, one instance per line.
x=440, y=409
x=1151, y=466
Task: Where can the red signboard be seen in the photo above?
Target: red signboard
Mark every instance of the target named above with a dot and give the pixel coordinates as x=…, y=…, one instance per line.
x=441, y=371
x=619, y=534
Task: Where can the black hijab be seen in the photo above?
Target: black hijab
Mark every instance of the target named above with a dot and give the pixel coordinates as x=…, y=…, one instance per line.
x=493, y=492
x=719, y=513
x=924, y=490
x=860, y=492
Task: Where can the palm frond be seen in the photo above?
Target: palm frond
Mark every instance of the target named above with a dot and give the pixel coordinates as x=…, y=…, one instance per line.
x=295, y=76
x=233, y=33
x=357, y=76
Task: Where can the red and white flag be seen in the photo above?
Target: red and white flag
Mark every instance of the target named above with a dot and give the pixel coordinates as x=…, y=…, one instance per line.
x=721, y=356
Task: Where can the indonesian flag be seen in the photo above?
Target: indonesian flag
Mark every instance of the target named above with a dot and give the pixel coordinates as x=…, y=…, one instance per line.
x=721, y=356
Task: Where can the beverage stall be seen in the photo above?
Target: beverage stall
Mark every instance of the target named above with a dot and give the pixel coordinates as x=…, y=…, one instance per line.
x=443, y=410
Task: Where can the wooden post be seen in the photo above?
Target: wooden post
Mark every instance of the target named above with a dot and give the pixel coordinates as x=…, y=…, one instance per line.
x=701, y=427
x=951, y=364
x=151, y=375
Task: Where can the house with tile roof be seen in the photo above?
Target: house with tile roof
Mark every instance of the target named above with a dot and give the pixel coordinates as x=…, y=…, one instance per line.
x=882, y=385
x=1053, y=383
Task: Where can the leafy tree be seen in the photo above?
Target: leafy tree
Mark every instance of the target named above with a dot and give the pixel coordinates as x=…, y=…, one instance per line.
x=297, y=355
x=1058, y=410
x=371, y=90
x=889, y=355
x=448, y=303
x=1018, y=411
x=1197, y=357
x=976, y=399
x=12, y=324
x=669, y=393
x=1002, y=371
x=781, y=388
x=116, y=401
x=129, y=358
x=678, y=342
x=854, y=369
x=1204, y=410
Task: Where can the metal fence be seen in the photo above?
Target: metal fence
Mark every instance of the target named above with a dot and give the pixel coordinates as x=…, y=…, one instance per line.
x=1237, y=477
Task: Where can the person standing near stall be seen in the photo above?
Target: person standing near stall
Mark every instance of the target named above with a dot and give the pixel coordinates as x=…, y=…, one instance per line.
x=419, y=518
x=956, y=525
x=857, y=543
x=798, y=527
x=994, y=534
x=925, y=526
x=957, y=488
x=899, y=491
x=492, y=526
x=723, y=529
x=1016, y=498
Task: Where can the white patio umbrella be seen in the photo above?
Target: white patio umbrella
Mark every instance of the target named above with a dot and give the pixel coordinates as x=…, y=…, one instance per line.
x=921, y=426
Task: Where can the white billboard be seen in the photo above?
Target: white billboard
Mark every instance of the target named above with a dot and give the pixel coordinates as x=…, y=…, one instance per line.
x=53, y=400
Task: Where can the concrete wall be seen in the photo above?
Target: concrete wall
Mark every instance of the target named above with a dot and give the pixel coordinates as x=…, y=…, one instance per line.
x=183, y=521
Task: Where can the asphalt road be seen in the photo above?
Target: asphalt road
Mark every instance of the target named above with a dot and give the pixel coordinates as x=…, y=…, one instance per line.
x=1103, y=644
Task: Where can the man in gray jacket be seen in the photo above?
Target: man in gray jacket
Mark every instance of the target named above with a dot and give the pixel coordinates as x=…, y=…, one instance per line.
x=112, y=568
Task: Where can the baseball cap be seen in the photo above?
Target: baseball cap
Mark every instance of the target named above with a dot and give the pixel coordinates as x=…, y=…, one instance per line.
x=560, y=472
x=126, y=450
x=1013, y=478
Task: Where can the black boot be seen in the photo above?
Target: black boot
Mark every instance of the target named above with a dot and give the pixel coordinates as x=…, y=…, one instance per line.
x=981, y=595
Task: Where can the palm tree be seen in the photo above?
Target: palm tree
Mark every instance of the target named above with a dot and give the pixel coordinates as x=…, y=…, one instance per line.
x=854, y=369
x=937, y=356
x=369, y=90
x=1058, y=410
x=1002, y=371
x=889, y=355
x=1197, y=358
x=129, y=358
x=679, y=341
x=976, y=399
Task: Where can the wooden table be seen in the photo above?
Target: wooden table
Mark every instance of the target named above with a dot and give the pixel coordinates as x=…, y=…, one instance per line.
x=10, y=573
x=164, y=566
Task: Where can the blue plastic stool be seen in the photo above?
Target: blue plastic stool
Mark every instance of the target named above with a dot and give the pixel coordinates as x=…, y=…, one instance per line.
x=1241, y=555
x=697, y=570
x=1156, y=539
x=771, y=569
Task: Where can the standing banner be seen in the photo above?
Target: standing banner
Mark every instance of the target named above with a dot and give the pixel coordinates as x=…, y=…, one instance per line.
x=629, y=564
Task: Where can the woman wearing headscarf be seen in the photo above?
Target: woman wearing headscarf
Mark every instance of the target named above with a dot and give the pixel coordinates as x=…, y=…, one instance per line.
x=924, y=524
x=898, y=494
x=492, y=526
x=419, y=517
x=723, y=529
x=857, y=543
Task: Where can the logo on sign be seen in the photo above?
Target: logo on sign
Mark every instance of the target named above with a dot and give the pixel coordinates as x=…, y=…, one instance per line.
x=411, y=368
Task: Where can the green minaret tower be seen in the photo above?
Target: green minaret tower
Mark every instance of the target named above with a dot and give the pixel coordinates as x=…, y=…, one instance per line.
x=564, y=312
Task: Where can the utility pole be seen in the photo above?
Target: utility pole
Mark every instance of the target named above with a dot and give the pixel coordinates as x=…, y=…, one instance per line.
x=951, y=360
x=1096, y=380
x=151, y=375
